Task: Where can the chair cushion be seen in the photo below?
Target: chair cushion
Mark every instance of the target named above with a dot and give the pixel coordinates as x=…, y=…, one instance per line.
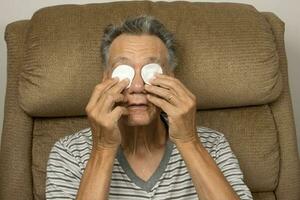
x=252, y=134
x=46, y=132
x=250, y=131
x=227, y=54
x=264, y=196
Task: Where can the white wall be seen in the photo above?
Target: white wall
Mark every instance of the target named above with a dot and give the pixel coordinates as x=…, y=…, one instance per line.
x=288, y=11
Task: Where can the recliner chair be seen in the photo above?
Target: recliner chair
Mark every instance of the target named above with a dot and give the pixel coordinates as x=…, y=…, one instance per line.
x=231, y=56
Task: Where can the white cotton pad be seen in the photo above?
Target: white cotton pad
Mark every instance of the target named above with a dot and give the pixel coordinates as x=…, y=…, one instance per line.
x=123, y=72
x=148, y=71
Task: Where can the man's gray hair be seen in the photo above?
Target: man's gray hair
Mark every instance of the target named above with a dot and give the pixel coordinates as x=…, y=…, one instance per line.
x=137, y=26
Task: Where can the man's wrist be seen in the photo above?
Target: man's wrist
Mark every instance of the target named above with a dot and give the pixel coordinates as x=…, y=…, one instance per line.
x=104, y=153
x=189, y=145
x=192, y=140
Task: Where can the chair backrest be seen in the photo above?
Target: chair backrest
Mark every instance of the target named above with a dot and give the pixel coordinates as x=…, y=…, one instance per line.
x=231, y=57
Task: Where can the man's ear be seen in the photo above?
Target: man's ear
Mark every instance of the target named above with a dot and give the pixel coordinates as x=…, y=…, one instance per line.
x=105, y=75
x=171, y=73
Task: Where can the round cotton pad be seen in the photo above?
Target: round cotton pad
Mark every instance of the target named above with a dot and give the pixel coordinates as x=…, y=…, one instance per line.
x=123, y=72
x=148, y=71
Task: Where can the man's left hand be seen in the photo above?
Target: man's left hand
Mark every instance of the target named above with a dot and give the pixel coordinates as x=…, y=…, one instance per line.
x=178, y=102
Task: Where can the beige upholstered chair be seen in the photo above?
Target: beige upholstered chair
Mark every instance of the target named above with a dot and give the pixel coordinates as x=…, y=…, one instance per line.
x=231, y=57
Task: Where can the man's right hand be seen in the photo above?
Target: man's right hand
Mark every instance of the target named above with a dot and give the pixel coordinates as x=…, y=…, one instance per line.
x=103, y=115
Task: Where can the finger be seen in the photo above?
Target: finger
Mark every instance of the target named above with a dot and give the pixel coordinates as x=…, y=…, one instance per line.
x=99, y=89
x=111, y=96
x=117, y=112
x=180, y=83
x=172, y=83
x=108, y=101
x=163, y=93
x=119, y=87
x=162, y=103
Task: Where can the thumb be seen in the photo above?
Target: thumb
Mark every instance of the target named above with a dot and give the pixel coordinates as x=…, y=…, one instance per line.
x=118, y=111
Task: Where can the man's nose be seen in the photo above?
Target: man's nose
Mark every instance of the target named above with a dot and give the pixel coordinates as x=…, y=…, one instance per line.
x=137, y=84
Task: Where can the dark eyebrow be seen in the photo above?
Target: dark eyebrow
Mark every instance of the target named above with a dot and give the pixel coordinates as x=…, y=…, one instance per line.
x=153, y=60
x=122, y=59
x=119, y=59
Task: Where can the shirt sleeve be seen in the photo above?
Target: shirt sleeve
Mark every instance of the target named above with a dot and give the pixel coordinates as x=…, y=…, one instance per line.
x=63, y=174
x=228, y=164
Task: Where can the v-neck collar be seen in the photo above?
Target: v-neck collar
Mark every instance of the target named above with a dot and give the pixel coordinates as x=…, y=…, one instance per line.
x=150, y=183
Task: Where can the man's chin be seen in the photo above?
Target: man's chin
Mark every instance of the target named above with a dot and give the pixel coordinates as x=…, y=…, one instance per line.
x=137, y=121
x=134, y=119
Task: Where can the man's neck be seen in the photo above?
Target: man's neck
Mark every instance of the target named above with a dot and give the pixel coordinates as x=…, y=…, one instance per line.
x=142, y=140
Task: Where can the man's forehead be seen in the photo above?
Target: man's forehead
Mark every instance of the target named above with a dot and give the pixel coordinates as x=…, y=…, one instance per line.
x=141, y=48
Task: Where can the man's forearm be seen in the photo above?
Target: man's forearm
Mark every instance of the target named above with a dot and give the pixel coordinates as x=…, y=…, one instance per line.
x=95, y=182
x=208, y=179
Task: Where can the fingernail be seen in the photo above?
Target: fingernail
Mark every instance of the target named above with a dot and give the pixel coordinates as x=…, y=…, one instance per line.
x=152, y=79
x=123, y=80
x=157, y=74
x=127, y=80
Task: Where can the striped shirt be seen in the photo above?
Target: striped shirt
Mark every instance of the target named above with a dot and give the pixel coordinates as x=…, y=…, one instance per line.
x=171, y=180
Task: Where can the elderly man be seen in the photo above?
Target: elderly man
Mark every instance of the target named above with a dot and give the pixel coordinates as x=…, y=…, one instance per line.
x=143, y=142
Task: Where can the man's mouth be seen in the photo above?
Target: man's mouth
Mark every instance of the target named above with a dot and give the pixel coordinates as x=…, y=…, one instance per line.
x=137, y=107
